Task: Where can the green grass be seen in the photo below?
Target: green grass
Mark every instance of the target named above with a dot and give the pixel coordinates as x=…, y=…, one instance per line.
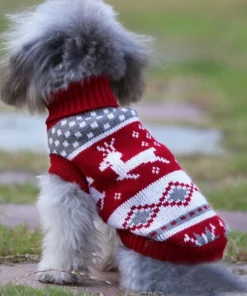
x=21, y=244
x=11, y=290
x=237, y=248
x=18, y=242
x=19, y=194
x=230, y=197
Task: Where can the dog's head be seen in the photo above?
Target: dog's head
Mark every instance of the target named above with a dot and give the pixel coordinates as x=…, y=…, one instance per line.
x=65, y=41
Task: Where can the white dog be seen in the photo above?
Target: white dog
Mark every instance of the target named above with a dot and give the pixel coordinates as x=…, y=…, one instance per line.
x=73, y=58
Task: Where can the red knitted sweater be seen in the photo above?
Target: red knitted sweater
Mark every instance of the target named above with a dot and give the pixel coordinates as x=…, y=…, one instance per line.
x=136, y=182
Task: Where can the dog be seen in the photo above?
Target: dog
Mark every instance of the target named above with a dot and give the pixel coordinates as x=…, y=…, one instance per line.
x=73, y=55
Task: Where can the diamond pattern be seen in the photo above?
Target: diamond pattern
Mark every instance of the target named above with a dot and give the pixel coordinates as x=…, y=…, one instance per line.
x=175, y=194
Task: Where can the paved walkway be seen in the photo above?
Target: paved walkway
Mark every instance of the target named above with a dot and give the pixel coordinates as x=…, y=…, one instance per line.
x=25, y=274
x=12, y=215
x=103, y=283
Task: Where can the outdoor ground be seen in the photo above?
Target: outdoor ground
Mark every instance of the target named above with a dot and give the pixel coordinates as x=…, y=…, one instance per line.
x=199, y=71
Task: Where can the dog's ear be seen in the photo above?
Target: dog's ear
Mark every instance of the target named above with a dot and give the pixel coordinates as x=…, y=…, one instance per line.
x=136, y=58
x=14, y=81
x=24, y=70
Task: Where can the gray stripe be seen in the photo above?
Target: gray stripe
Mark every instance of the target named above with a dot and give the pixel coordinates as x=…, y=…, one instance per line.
x=159, y=233
x=71, y=133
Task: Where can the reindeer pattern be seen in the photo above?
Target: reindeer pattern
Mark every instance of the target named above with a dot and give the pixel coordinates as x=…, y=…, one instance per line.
x=113, y=159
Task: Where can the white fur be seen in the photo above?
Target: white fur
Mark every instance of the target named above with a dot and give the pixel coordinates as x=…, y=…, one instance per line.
x=67, y=216
x=109, y=241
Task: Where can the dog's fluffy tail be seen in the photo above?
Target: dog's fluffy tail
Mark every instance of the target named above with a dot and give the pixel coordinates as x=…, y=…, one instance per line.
x=139, y=273
x=65, y=41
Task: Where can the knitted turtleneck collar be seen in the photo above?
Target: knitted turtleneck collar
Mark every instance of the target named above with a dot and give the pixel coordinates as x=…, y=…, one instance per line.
x=91, y=94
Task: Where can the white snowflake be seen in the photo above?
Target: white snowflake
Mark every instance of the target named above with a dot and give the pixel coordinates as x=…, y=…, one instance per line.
x=82, y=124
x=67, y=134
x=93, y=114
x=156, y=170
x=53, y=131
x=135, y=135
x=121, y=117
x=75, y=144
x=145, y=144
x=72, y=123
x=65, y=144
x=117, y=196
x=78, y=134
x=156, y=144
x=111, y=116
x=57, y=143
x=106, y=111
x=79, y=117
x=148, y=136
x=90, y=135
x=107, y=126
x=94, y=125
x=141, y=127
x=59, y=132
x=50, y=140
x=64, y=154
x=64, y=122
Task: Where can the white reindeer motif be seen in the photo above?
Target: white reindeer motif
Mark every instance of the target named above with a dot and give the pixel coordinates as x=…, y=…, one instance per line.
x=112, y=159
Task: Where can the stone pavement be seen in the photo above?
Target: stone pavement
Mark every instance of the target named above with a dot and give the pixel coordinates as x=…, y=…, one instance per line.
x=12, y=215
x=24, y=274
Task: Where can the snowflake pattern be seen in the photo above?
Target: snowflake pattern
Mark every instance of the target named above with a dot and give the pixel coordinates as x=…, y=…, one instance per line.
x=64, y=136
x=141, y=127
x=135, y=135
x=117, y=196
x=145, y=144
x=156, y=170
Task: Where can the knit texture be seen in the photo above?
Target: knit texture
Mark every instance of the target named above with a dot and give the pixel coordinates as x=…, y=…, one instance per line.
x=137, y=184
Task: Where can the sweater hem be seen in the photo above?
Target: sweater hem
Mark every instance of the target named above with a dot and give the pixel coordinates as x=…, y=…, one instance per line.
x=164, y=251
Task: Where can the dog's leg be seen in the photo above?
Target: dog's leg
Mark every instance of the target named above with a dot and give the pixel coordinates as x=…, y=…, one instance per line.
x=109, y=241
x=143, y=274
x=67, y=216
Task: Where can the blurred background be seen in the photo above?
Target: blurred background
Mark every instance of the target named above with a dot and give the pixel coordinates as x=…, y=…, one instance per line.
x=195, y=102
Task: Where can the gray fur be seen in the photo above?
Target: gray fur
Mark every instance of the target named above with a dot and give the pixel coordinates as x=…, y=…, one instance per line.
x=65, y=41
x=143, y=274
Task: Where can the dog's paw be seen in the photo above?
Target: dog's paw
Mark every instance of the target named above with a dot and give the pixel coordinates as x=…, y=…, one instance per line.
x=57, y=277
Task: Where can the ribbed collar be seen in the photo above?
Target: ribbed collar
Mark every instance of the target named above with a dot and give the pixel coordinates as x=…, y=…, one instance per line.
x=91, y=94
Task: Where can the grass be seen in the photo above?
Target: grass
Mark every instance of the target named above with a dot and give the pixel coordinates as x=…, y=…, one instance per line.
x=237, y=248
x=11, y=290
x=19, y=194
x=18, y=242
x=21, y=244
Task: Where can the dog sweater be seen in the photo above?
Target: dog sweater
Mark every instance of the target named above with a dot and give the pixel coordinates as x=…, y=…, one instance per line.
x=137, y=184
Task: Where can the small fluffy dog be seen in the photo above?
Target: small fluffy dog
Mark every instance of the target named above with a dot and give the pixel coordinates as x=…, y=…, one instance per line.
x=73, y=58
